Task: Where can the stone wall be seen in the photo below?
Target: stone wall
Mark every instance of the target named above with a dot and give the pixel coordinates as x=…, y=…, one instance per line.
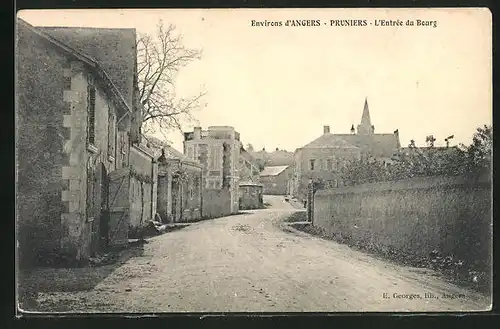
x=216, y=203
x=448, y=214
x=141, y=188
x=191, y=195
x=39, y=145
x=250, y=197
x=187, y=195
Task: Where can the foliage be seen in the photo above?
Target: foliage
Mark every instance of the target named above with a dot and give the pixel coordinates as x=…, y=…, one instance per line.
x=139, y=176
x=180, y=175
x=159, y=59
x=478, y=155
x=472, y=161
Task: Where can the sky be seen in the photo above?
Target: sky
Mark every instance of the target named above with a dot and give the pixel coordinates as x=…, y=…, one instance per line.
x=279, y=85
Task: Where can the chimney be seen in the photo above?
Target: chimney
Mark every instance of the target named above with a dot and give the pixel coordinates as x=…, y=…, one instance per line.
x=326, y=129
x=197, y=133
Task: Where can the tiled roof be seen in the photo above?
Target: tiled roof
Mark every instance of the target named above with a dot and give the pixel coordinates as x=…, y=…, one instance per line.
x=379, y=145
x=273, y=170
x=170, y=153
x=329, y=140
x=113, y=49
x=248, y=157
x=83, y=56
x=275, y=158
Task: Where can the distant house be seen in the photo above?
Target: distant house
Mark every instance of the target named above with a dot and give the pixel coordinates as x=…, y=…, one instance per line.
x=75, y=118
x=325, y=157
x=276, y=180
x=250, y=196
x=275, y=158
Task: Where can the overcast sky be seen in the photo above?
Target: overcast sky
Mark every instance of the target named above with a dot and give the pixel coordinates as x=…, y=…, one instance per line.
x=278, y=86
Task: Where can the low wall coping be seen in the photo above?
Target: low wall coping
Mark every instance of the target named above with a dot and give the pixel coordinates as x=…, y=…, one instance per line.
x=408, y=184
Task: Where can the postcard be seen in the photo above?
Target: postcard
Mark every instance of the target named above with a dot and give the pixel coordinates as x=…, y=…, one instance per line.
x=253, y=160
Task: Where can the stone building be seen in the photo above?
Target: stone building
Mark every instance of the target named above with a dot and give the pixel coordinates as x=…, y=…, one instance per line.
x=179, y=187
x=250, y=196
x=324, y=158
x=275, y=158
x=218, y=151
x=142, y=187
x=75, y=120
x=276, y=180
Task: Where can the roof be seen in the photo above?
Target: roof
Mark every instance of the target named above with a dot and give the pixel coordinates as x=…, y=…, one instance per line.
x=144, y=149
x=330, y=140
x=275, y=158
x=273, y=170
x=170, y=153
x=379, y=145
x=248, y=157
x=84, y=57
x=113, y=49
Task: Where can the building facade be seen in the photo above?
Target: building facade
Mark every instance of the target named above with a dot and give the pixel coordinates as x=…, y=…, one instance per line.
x=324, y=158
x=218, y=151
x=179, y=187
x=143, y=183
x=250, y=196
x=276, y=180
x=73, y=126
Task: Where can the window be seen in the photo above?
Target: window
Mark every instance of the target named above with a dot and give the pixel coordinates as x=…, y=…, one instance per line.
x=190, y=152
x=312, y=162
x=191, y=191
x=91, y=110
x=215, y=158
x=111, y=135
x=196, y=155
x=122, y=144
x=329, y=164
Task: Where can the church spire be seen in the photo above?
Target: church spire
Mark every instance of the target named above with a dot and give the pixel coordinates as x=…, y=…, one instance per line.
x=365, y=119
x=365, y=127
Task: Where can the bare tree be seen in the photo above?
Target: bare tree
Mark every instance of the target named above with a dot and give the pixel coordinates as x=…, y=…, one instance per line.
x=159, y=59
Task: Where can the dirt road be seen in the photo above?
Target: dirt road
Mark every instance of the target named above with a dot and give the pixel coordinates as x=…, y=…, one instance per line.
x=248, y=263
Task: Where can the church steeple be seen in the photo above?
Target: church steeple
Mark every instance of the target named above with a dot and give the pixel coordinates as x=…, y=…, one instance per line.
x=366, y=127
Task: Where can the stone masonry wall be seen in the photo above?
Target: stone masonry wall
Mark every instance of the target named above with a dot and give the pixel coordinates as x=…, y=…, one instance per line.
x=81, y=158
x=141, y=185
x=216, y=203
x=39, y=144
x=416, y=216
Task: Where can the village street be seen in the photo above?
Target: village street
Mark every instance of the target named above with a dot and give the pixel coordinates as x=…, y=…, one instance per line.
x=248, y=263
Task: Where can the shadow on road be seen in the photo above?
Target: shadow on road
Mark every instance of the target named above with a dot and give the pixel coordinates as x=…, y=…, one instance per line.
x=49, y=280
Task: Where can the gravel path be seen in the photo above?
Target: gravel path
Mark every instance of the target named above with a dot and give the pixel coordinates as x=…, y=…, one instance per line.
x=249, y=263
